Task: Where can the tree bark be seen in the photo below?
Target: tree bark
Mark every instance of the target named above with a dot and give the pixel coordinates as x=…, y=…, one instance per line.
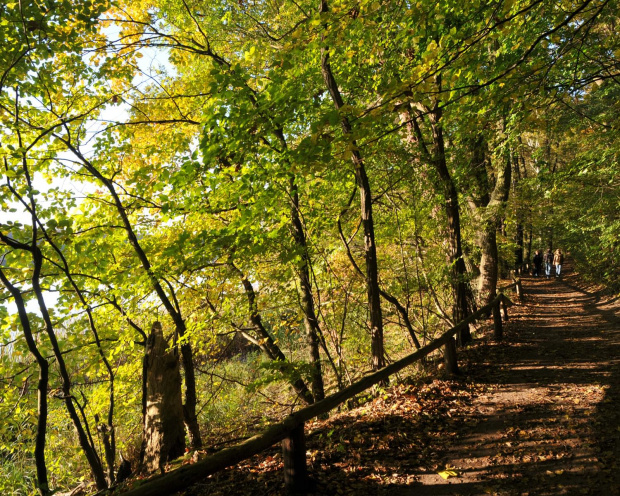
x=520, y=230
x=163, y=422
x=294, y=460
x=489, y=262
x=370, y=250
x=43, y=364
x=528, y=252
x=437, y=159
x=519, y=235
x=489, y=265
x=487, y=200
x=453, y=216
x=311, y=322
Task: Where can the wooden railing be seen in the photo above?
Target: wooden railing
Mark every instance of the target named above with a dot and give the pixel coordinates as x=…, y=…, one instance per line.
x=290, y=431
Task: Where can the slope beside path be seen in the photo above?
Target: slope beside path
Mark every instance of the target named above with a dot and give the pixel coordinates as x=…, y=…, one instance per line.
x=537, y=414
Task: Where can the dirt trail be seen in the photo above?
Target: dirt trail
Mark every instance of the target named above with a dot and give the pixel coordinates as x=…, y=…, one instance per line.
x=550, y=423
x=537, y=414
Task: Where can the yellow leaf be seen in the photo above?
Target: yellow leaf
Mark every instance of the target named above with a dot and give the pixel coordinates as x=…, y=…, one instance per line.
x=446, y=474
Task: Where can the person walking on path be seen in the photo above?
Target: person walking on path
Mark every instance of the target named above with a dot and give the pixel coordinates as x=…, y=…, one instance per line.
x=538, y=261
x=548, y=259
x=558, y=260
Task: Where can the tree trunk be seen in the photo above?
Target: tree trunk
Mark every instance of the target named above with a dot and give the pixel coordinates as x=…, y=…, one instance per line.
x=40, y=438
x=453, y=216
x=294, y=460
x=311, y=323
x=437, y=159
x=106, y=431
x=145, y=363
x=487, y=284
x=519, y=235
x=314, y=334
x=163, y=422
x=370, y=250
x=487, y=201
x=528, y=253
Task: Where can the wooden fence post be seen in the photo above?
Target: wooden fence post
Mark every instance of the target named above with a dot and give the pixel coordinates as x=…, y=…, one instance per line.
x=294, y=457
x=519, y=289
x=450, y=357
x=504, y=307
x=498, y=331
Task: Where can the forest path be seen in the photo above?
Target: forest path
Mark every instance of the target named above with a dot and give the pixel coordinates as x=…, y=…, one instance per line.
x=537, y=414
x=550, y=421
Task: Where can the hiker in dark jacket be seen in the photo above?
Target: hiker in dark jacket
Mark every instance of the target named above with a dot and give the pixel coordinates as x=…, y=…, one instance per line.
x=548, y=259
x=538, y=261
x=558, y=260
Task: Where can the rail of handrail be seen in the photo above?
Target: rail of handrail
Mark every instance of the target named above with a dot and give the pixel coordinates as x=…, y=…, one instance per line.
x=291, y=430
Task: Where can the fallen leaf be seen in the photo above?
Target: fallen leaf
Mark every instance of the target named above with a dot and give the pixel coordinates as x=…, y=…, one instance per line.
x=446, y=474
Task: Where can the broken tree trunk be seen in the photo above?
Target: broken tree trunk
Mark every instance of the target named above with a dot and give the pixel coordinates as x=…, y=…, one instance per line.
x=164, y=432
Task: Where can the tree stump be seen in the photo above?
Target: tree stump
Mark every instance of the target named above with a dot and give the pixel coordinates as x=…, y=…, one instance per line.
x=164, y=431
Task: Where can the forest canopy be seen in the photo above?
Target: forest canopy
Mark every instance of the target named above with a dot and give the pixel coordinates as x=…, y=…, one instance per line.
x=297, y=192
